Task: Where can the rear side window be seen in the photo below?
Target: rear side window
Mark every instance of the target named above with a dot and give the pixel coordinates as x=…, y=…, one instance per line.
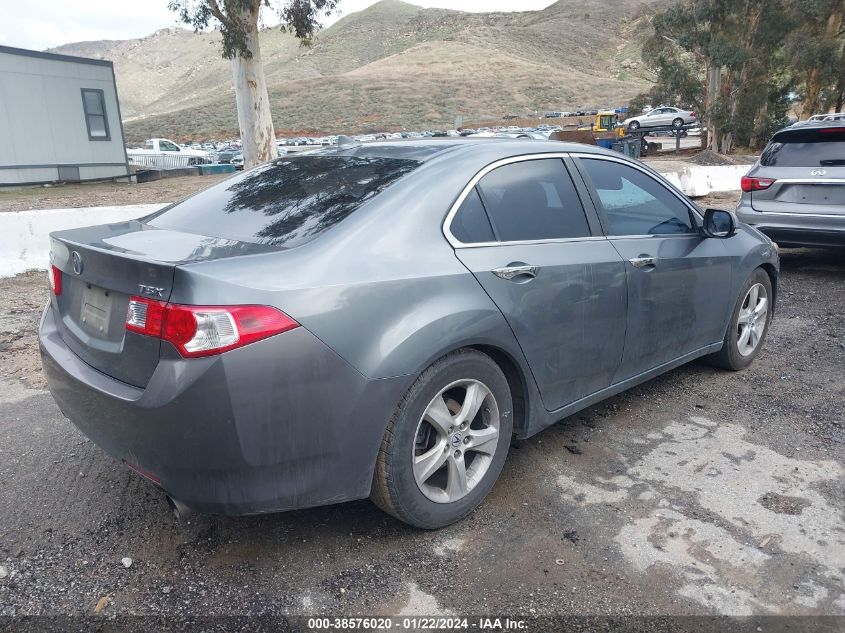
x=533, y=200
x=471, y=224
x=634, y=203
x=808, y=148
x=287, y=202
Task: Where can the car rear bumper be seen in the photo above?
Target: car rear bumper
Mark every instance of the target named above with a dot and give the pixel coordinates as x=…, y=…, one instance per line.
x=280, y=424
x=797, y=229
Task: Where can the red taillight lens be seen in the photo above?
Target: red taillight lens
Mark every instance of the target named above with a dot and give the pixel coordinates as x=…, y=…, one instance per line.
x=205, y=330
x=693, y=114
x=55, y=280
x=145, y=316
x=755, y=184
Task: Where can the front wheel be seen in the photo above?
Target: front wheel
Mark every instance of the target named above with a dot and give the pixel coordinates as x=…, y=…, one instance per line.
x=446, y=442
x=749, y=324
x=634, y=125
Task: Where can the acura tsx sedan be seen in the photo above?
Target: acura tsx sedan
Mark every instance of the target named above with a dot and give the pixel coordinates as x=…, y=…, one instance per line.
x=380, y=320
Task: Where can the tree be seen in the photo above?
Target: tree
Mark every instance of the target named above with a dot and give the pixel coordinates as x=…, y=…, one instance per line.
x=238, y=22
x=814, y=47
x=719, y=57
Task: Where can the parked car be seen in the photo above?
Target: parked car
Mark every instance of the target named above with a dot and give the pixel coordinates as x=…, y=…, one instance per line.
x=238, y=161
x=162, y=153
x=795, y=193
x=830, y=116
x=661, y=117
x=285, y=339
x=225, y=155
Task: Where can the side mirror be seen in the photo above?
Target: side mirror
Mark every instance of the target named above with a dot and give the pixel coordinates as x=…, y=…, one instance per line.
x=719, y=223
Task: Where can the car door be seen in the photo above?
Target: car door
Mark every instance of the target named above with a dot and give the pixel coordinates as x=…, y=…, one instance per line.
x=678, y=281
x=523, y=232
x=663, y=116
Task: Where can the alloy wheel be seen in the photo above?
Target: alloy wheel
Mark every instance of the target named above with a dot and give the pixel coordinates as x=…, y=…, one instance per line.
x=455, y=441
x=753, y=315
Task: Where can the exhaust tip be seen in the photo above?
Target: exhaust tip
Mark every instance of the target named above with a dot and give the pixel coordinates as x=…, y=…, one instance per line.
x=180, y=510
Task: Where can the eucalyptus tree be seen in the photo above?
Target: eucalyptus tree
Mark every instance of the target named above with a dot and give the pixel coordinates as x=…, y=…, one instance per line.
x=238, y=22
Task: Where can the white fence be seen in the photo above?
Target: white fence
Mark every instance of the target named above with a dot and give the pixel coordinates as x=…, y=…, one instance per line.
x=163, y=160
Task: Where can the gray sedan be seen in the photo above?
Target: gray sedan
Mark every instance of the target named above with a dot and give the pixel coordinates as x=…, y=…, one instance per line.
x=380, y=320
x=796, y=191
x=662, y=117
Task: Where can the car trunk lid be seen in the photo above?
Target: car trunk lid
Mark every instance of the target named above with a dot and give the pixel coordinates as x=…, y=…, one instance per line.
x=803, y=190
x=101, y=268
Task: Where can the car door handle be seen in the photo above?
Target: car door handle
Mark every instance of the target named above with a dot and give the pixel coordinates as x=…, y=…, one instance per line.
x=643, y=261
x=510, y=272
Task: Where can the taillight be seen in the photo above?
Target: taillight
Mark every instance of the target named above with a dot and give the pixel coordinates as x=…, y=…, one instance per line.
x=755, y=184
x=55, y=280
x=145, y=316
x=693, y=114
x=205, y=330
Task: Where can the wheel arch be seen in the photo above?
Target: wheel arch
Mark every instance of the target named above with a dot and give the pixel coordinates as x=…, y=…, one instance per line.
x=773, y=278
x=517, y=381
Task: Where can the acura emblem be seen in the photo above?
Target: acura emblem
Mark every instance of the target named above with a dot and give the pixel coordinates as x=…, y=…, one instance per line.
x=818, y=172
x=76, y=261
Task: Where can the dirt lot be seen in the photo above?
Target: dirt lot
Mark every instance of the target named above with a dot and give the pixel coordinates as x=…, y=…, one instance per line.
x=71, y=196
x=700, y=492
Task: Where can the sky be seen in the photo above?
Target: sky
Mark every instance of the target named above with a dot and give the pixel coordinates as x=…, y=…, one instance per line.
x=40, y=24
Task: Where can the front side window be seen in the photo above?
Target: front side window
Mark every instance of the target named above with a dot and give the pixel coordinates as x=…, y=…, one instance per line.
x=533, y=200
x=167, y=146
x=634, y=203
x=96, y=120
x=286, y=202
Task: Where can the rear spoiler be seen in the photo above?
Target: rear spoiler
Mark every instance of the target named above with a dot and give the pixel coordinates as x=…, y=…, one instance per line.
x=810, y=134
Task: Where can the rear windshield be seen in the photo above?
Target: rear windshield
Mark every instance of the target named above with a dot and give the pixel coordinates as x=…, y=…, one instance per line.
x=287, y=202
x=809, y=148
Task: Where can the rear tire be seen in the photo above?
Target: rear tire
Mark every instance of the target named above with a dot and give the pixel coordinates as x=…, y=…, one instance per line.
x=446, y=442
x=634, y=125
x=678, y=123
x=749, y=324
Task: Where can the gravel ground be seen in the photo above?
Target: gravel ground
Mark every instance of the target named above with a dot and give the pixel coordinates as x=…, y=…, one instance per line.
x=72, y=196
x=699, y=492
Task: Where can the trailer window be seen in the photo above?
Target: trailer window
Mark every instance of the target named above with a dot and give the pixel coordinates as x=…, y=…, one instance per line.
x=94, y=106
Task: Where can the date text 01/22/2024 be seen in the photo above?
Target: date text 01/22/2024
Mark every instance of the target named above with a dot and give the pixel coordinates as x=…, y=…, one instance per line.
x=417, y=623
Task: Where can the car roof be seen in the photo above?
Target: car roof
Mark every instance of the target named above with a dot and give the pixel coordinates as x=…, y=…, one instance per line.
x=804, y=127
x=427, y=149
x=817, y=124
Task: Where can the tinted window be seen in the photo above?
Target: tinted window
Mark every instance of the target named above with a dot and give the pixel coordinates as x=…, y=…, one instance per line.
x=94, y=106
x=286, y=202
x=471, y=224
x=533, y=200
x=634, y=202
x=808, y=148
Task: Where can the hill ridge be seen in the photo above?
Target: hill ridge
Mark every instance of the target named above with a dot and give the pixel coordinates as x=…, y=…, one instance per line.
x=393, y=65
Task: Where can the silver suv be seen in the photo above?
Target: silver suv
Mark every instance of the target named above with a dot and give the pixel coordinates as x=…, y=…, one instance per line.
x=795, y=193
